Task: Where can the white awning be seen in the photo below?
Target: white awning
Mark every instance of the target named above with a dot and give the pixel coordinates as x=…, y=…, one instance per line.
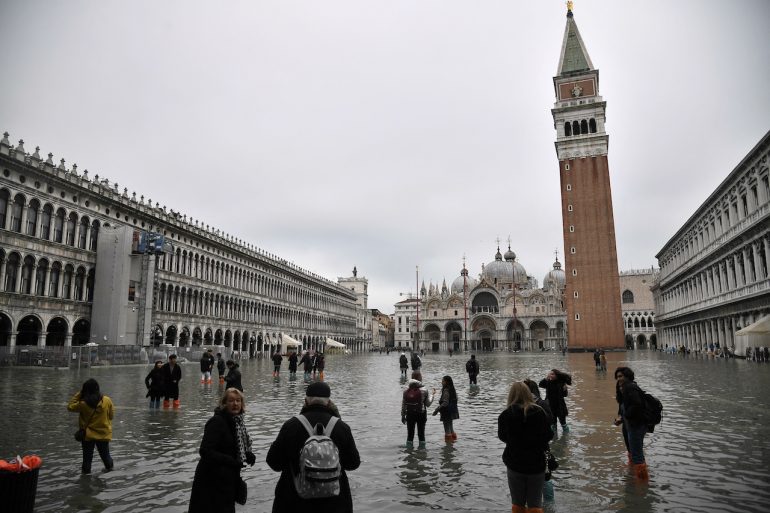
x=287, y=341
x=759, y=327
x=330, y=342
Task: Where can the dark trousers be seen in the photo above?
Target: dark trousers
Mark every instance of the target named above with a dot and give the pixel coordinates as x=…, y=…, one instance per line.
x=172, y=391
x=472, y=377
x=526, y=489
x=419, y=420
x=103, y=446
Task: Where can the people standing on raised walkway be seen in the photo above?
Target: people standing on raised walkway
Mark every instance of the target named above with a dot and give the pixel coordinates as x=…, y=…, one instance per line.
x=172, y=373
x=524, y=429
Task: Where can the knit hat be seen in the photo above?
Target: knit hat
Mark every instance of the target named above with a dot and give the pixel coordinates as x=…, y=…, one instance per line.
x=318, y=389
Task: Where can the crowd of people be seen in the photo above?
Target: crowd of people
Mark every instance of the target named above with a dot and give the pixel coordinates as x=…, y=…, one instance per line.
x=322, y=446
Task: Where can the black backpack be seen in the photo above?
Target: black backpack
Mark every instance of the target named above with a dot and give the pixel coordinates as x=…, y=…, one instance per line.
x=653, y=410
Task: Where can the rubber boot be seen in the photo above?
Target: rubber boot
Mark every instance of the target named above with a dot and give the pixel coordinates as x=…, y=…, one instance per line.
x=321, y=375
x=518, y=509
x=534, y=510
x=448, y=438
x=565, y=428
x=409, y=444
x=421, y=445
x=640, y=470
x=166, y=403
x=548, y=494
x=208, y=381
x=221, y=380
x=454, y=436
x=203, y=381
x=176, y=404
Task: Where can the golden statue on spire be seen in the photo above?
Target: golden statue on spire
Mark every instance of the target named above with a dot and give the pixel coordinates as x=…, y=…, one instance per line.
x=569, y=5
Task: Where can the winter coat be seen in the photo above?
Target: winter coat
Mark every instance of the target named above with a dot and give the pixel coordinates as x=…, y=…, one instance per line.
x=526, y=438
x=219, y=468
x=630, y=403
x=221, y=366
x=277, y=359
x=155, y=383
x=171, y=376
x=472, y=367
x=96, y=421
x=427, y=400
x=207, y=362
x=233, y=378
x=447, y=406
x=306, y=362
x=403, y=362
x=555, y=392
x=320, y=362
x=283, y=457
x=293, y=362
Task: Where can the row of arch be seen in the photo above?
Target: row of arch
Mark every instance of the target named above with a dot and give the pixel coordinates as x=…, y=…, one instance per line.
x=187, y=300
x=41, y=277
x=580, y=127
x=29, y=331
x=638, y=321
x=47, y=222
x=209, y=269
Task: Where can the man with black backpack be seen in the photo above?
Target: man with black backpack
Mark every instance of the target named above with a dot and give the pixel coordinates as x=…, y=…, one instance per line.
x=313, y=466
x=472, y=368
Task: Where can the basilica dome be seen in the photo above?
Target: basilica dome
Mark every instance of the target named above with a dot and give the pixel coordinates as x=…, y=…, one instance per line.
x=457, y=285
x=501, y=272
x=555, y=277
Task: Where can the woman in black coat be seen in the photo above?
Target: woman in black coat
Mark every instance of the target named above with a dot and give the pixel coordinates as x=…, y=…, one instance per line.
x=555, y=385
x=233, y=378
x=524, y=429
x=155, y=384
x=225, y=449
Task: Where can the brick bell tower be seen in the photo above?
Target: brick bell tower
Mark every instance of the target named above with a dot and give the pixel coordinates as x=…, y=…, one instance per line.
x=592, y=294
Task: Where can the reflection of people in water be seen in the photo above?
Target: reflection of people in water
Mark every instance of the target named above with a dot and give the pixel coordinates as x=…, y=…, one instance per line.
x=451, y=467
x=416, y=472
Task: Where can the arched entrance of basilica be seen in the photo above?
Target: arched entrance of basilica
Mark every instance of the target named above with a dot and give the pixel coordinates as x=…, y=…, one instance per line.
x=484, y=330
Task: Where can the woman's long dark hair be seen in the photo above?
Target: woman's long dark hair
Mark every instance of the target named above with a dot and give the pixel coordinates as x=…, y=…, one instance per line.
x=450, y=385
x=90, y=393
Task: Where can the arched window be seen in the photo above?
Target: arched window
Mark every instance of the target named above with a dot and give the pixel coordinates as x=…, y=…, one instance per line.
x=34, y=206
x=584, y=127
x=45, y=222
x=83, y=233
x=26, y=275
x=636, y=322
x=592, y=125
x=567, y=129
x=11, y=272
x=42, y=270
x=628, y=297
x=94, y=235
x=58, y=226
x=53, y=280
x=4, y=195
x=16, y=209
x=80, y=279
x=72, y=222
x=67, y=282
x=575, y=128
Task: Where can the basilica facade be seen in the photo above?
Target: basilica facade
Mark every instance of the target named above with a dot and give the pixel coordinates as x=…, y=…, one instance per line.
x=70, y=241
x=504, y=308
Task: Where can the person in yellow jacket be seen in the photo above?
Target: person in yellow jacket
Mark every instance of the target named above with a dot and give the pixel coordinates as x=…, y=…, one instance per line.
x=96, y=413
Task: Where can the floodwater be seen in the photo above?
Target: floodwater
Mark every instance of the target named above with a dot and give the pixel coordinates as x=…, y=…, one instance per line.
x=710, y=453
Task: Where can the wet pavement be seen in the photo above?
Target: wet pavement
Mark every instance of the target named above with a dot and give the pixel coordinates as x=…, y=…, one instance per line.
x=710, y=453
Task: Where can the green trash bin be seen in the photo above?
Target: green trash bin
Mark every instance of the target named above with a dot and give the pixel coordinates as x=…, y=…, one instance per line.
x=18, y=487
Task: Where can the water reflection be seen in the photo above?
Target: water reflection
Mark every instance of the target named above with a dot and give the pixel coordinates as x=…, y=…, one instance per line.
x=711, y=452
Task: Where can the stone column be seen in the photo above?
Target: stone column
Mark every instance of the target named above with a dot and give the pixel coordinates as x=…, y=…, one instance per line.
x=2, y=274
x=736, y=265
x=746, y=267
x=33, y=279
x=24, y=219
x=757, y=260
x=46, y=279
x=19, y=272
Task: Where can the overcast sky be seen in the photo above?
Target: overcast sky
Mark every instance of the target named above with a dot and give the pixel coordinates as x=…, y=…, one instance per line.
x=387, y=134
